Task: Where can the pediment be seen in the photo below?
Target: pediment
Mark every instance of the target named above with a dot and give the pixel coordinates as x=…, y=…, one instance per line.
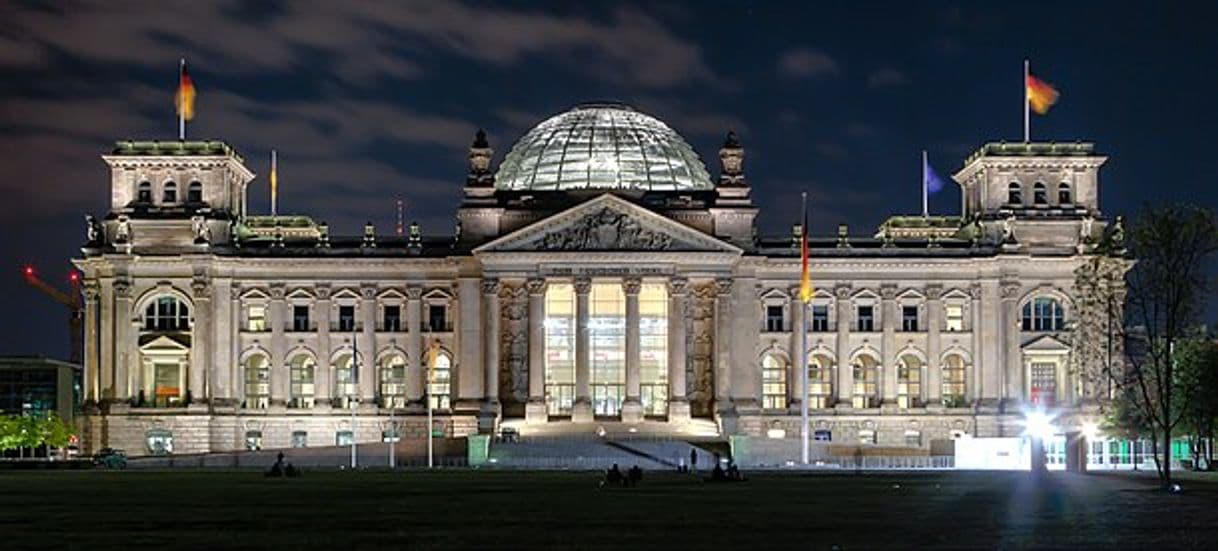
x=1046, y=344
x=607, y=223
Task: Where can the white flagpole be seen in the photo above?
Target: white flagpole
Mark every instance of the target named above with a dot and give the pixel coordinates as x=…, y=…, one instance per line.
x=925, y=192
x=1026, y=116
x=431, y=358
x=802, y=356
x=351, y=398
x=181, y=111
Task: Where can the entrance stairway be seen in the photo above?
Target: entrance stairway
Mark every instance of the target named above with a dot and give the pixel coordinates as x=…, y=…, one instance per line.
x=651, y=445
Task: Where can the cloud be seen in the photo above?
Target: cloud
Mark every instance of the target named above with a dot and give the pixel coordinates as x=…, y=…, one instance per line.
x=806, y=63
x=885, y=77
x=832, y=150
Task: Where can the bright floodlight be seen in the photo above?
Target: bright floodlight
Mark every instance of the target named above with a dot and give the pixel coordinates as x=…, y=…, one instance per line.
x=1038, y=424
x=1090, y=430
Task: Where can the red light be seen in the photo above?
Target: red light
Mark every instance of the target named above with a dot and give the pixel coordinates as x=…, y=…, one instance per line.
x=29, y=271
x=73, y=277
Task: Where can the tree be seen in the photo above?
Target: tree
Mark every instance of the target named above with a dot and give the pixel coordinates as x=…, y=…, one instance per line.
x=1167, y=292
x=56, y=432
x=1198, y=367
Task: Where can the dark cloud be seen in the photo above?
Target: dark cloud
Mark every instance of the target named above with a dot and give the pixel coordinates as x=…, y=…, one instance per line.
x=886, y=77
x=806, y=63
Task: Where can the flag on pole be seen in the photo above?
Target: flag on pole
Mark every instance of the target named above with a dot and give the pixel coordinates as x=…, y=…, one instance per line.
x=184, y=100
x=930, y=179
x=1041, y=95
x=274, y=182
x=805, y=275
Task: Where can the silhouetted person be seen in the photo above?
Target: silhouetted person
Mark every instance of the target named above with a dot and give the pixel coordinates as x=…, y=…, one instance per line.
x=291, y=471
x=693, y=460
x=635, y=474
x=613, y=476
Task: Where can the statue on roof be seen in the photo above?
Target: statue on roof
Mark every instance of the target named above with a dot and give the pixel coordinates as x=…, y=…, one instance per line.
x=731, y=158
x=92, y=230
x=200, y=229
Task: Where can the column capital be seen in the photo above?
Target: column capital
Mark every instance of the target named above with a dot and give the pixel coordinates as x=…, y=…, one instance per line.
x=842, y=292
x=278, y=290
x=535, y=286
x=322, y=290
x=678, y=286
x=1010, y=289
x=934, y=291
x=793, y=293
x=414, y=293
x=122, y=288
x=888, y=291
x=974, y=291
x=91, y=290
x=632, y=285
x=200, y=288
x=367, y=291
x=583, y=285
x=490, y=286
x=723, y=286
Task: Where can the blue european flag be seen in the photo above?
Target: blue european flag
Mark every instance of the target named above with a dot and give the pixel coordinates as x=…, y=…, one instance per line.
x=932, y=181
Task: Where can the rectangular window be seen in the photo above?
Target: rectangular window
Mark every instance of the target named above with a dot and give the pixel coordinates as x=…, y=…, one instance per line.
x=253, y=440
x=773, y=318
x=653, y=348
x=392, y=318
x=346, y=318
x=820, y=317
x=607, y=347
x=955, y=317
x=1044, y=384
x=300, y=439
x=300, y=318
x=255, y=317
x=866, y=436
x=909, y=319
x=913, y=439
x=823, y=435
x=559, y=329
x=866, y=319
x=343, y=438
x=437, y=318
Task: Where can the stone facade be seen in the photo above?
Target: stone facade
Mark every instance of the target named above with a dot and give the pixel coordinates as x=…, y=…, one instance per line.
x=215, y=326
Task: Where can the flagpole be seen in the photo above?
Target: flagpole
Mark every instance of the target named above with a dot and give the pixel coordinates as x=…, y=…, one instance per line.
x=351, y=396
x=1026, y=116
x=802, y=356
x=431, y=358
x=181, y=110
x=925, y=206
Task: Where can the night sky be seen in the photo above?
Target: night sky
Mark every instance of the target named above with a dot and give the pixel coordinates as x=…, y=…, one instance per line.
x=369, y=102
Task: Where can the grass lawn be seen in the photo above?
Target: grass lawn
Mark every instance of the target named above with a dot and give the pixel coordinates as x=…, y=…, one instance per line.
x=413, y=509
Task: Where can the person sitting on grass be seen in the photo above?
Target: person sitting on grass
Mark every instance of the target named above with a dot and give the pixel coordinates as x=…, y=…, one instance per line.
x=613, y=477
x=276, y=469
x=635, y=475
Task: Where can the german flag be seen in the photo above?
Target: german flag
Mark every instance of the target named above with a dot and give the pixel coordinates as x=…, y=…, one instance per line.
x=184, y=100
x=1041, y=95
x=805, y=275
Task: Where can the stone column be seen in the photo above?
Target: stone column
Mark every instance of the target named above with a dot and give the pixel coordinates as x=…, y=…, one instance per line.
x=490, y=347
x=415, y=347
x=221, y=353
x=322, y=309
x=92, y=362
x=236, y=371
x=888, y=345
x=632, y=407
x=799, y=345
x=934, y=323
x=279, y=365
x=367, y=345
x=469, y=345
x=678, y=404
x=200, y=351
x=535, y=409
x=1012, y=359
x=109, y=328
x=126, y=349
x=581, y=411
x=723, y=344
x=972, y=373
x=845, y=371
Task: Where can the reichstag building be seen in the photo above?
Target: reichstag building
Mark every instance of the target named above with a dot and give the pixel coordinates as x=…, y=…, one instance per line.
x=599, y=275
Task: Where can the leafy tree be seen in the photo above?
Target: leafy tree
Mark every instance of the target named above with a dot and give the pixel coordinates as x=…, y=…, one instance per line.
x=1167, y=291
x=1198, y=367
x=10, y=433
x=56, y=432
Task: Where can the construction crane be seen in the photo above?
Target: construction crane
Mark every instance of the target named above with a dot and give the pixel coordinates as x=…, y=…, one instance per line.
x=70, y=300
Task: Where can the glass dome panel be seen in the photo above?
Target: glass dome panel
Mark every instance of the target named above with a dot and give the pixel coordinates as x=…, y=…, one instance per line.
x=601, y=146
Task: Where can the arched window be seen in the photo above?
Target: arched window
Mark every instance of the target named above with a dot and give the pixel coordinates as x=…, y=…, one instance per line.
x=194, y=192
x=346, y=388
x=257, y=382
x=953, y=381
x=143, y=193
x=393, y=382
x=1014, y=194
x=820, y=381
x=167, y=313
x=170, y=193
x=865, y=378
x=1063, y=194
x=1043, y=314
x=909, y=381
x=439, y=388
x=302, y=371
x=773, y=382
x=1040, y=194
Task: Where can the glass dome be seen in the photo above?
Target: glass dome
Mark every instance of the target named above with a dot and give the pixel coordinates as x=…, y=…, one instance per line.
x=602, y=146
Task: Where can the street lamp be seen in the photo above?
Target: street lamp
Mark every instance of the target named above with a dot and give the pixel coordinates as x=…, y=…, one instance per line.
x=1038, y=426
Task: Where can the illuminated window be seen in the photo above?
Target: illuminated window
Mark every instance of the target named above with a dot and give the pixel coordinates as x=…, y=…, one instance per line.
x=820, y=381
x=302, y=369
x=954, y=317
x=1043, y=384
x=953, y=381
x=257, y=382
x=773, y=382
x=169, y=194
x=866, y=436
x=866, y=375
x=909, y=382
x=913, y=439
x=1040, y=194
x=393, y=382
x=1043, y=314
x=653, y=348
x=159, y=441
x=167, y=313
x=255, y=317
x=607, y=347
x=344, y=438
x=439, y=388
x=346, y=389
x=560, y=348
